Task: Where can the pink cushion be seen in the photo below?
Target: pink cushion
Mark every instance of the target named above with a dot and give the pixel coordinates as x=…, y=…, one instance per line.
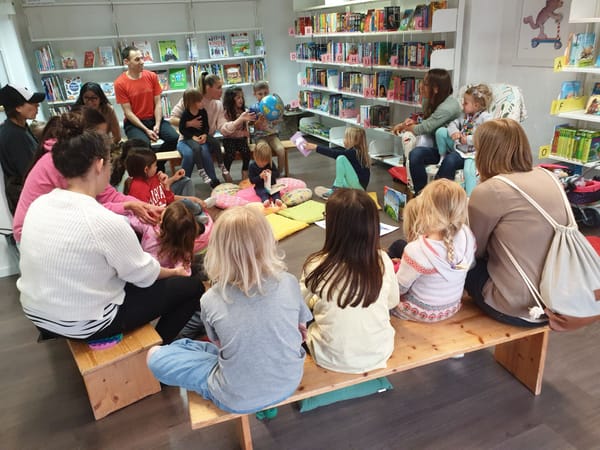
x=225, y=201
x=248, y=195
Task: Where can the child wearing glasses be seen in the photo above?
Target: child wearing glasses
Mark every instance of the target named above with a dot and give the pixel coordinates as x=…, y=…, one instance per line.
x=92, y=96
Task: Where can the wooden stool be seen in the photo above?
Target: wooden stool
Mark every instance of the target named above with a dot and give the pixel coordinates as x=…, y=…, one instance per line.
x=174, y=158
x=287, y=145
x=118, y=376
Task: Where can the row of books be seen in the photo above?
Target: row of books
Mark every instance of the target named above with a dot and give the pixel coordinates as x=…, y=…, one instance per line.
x=334, y=104
x=390, y=18
x=374, y=116
x=408, y=54
x=577, y=144
x=239, y=43
x=245, y=72
x=60, y=89
x=315, y=128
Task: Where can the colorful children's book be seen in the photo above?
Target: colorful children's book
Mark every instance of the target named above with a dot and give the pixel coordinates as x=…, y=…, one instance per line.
x=177, y=78
x=393, y=202
x=570, y=89
x=392, y=17
x=145, y=48
x=163, y=79
x=272, y=188
x=193, y=51
x=217, y=46
x=72, y=88
x=582, y=49
x=406, y=19
x=168, y=50
x=593, y=105
x=88, y=58
x=106, y=56
x=259, y=43
x=233, y=73
x=108, y=87
x=68, y=60
x=298, y=139
x=240, y=44
x=596, y=88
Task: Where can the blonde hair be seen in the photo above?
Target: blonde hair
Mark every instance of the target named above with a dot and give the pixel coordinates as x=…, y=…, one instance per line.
x=442, y=208
x=482, y=95
x=502, y=147
x=242, y=251
x=262, y=151
x=191, y=96
x=409, y=219
x=356, y=138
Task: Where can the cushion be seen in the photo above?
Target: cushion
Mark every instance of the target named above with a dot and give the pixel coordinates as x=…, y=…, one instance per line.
x=225, y=188
x=283, y=227
x=248, y=194
x=307, y=212
x=297, y=196
x=225, y=201
x=291, y=184
x=356, y=391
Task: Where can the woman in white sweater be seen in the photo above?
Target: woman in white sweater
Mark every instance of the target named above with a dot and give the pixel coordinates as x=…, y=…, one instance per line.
x=83, y=272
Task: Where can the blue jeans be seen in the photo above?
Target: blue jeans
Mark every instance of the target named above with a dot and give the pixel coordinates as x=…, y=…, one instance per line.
x=451, y=163
x=187, y=158
x=420, y=157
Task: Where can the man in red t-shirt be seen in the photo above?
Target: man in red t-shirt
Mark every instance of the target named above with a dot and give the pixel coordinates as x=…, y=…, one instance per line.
x=138, y=92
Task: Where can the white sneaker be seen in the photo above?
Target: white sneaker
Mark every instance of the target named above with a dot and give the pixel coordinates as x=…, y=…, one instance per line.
x=204, y=176
x=226, y=174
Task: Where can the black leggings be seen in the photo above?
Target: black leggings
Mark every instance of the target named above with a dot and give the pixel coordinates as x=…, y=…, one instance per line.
x=172, y=299
x=233, y=145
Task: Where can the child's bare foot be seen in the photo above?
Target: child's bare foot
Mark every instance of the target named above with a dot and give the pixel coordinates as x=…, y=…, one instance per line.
x=267, y=203
x=278, y=203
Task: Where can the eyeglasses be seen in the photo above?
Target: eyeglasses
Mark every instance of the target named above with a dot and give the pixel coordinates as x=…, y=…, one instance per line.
x=90, y=98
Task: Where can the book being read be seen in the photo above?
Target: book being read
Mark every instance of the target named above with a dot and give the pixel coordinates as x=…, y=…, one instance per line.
x=272, y=188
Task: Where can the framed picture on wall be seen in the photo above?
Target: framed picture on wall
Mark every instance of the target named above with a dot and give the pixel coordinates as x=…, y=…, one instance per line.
x=542, y=32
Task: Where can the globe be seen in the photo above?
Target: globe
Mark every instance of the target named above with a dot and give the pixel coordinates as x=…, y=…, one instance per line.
x=271, y=107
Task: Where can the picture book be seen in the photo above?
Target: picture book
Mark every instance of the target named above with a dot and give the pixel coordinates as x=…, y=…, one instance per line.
x=272, y=188
x=259, y=43
x=177, y=78
x=193, y=51
x=570, y=89
x=167, y=51
x=298, y=139
x=68, y=60
x=582, y=49
x=145, y=48
x=593, y=105
x=596, y=88
x=393, y=202
x=217, y=46
x=163, y=79
x=406, y=19
x=392, y=17
x=233, y=73
x=108, y=87
x=106, y=56
x=88, y=58
x=72, y=87
x=240, y=44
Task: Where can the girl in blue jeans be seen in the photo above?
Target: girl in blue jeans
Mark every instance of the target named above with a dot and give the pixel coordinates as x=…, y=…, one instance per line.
x=439, y=109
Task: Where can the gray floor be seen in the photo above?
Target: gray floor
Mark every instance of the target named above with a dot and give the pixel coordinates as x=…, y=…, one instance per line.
x=470, y=403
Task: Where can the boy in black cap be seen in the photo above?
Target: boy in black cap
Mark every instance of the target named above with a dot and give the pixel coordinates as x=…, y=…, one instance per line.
x=17, y=143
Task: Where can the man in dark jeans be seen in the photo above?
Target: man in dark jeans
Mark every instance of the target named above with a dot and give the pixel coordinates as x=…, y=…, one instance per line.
x=138, y=92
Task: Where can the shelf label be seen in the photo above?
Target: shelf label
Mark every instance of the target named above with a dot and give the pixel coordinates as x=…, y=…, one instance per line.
x=291, y=31
x=308, y=30
x=544, y=152
x=391, y=94
x=326, y=57
x=295, y=103
x=567, y=104
x=339, y=58
x=369, y=92
x=352, y=59
x=394, y=60
x=559, y=62
x=303, y=81
x=367, y=60
x=293, y=56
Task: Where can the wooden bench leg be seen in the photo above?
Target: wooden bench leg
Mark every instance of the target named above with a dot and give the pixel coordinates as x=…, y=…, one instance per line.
x=525, y=359
x=243, y=429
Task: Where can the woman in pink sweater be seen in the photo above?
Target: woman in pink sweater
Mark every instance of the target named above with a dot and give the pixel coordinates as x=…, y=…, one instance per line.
x=44, y=177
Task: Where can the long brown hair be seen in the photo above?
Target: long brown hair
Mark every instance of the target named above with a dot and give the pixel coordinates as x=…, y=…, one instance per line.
x=350, y=258
x=502, y=147
x=178, y=230
x=440, y=79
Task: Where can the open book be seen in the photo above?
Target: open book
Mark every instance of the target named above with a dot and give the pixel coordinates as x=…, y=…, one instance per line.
x=300, y=143
x=272, y=188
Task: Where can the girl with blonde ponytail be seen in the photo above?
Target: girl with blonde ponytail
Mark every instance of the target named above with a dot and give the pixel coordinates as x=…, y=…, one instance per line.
x=434, y=265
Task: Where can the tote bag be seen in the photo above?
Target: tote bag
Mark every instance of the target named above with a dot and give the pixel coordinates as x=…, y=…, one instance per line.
x=570, y=282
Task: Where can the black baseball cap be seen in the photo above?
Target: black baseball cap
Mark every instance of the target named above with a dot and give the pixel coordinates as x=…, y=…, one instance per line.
x=13, y=95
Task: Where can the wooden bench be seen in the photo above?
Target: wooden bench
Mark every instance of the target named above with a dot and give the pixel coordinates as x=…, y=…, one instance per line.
x=117, y=376
x=173, y=157
x=522, y=351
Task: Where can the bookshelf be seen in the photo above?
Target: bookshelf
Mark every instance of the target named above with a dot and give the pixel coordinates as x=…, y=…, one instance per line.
x=587, y=14
x=181, y=25
x=381, y=82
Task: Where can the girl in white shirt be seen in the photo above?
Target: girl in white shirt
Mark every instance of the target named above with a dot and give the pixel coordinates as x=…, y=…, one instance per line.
x=350, y=287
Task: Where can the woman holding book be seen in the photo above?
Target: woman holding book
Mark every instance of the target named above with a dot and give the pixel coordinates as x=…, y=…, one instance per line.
x=92, y=96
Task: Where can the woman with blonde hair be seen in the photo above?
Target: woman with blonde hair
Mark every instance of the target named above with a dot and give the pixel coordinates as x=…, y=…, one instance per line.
x=254, y=316
x=434, y=265
x=499, y=215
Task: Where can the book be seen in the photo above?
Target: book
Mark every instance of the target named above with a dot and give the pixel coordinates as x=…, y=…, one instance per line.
x=582, y=49
x=108, y=87
x=406, y=19
x=178, y=78
x=167, y=51
x=392, y=17
x=596, y=88
x=67, y=59
x=240, y=44
x=106, y=56
x=593, y=105
x=72, y=88
x=145, y=48
x=393, y=203
x=88, y=58
x=259, y=43
x=570, y=89
x=217, y=46
x=193, y=51
x=298, y=139
x=272, y=188
x=163, y=79
x=233, y=73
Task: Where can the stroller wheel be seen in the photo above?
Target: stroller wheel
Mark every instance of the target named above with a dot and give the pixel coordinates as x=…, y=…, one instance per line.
x=591, y=217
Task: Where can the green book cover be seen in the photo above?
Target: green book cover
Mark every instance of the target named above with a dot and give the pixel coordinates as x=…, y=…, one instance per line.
x=168, y=51
x=177, y=78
